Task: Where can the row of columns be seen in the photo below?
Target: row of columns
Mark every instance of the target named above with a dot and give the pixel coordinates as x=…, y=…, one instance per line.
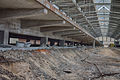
x=45, y=41
x=62, y=43
x=4, y=38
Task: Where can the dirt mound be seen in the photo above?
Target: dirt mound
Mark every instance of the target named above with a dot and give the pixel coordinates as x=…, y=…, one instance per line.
x=60, y=64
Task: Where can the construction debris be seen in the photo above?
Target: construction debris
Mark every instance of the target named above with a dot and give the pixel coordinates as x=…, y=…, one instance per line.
x=60, y=64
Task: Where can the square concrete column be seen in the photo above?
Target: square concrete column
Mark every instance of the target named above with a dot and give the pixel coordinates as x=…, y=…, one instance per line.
x=72, y=44
x=1, y=37
x=44, y=41
x=94, y=44
x=62, y=43
x=52, y=43
x=4, y=37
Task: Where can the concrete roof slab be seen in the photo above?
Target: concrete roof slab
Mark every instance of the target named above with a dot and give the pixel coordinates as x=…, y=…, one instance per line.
x=19, y=4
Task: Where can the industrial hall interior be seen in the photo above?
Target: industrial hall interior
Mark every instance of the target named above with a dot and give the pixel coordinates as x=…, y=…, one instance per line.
x=59, y=40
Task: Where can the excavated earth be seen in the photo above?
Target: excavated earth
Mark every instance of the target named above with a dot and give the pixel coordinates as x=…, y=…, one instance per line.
x=60, y=64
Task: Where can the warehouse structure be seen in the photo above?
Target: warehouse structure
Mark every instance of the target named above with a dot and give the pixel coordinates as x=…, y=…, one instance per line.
x=59, y=40
x=59, y=22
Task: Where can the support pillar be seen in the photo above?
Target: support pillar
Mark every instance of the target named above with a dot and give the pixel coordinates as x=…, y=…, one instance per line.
x=52, y=42
x=44, y=41
x=72, y=44
x=110, y=39
x=94, y=44
x=106, y=39
x=61, y=43
x=4, y=37
x=1, y=37
x=102, y=38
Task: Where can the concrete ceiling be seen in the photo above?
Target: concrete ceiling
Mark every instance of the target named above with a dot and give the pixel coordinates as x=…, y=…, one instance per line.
x=69, y=16
x=19, y=4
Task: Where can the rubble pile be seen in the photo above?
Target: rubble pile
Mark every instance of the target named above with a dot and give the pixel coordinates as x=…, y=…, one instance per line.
x=60, y=64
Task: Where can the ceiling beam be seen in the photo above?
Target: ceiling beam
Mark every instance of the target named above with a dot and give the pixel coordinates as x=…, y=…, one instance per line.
x=40, y=23
x=72, y=34
x=21, y=13
x=55, y=29
x=66, y=32
x=75, y=36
